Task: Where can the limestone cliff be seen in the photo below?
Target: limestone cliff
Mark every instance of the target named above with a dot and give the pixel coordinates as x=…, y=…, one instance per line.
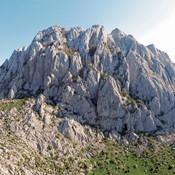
x=107, y=81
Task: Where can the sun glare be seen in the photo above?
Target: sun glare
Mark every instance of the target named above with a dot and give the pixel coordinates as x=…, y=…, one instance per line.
x=163, y=36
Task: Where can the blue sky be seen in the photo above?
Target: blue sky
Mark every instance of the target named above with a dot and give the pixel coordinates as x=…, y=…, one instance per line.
x=149, y=21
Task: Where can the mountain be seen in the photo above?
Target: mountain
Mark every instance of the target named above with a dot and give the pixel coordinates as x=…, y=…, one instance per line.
x=76, y=99
x=109, y=81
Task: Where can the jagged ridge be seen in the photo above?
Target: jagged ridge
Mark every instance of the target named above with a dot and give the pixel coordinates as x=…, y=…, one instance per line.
x=108, y=81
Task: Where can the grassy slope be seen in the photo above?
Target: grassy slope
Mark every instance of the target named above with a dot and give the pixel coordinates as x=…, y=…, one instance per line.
x=116, y=160
x=10, y=104
x=109, y=159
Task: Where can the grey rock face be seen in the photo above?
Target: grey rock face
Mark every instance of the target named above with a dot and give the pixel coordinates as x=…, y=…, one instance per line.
x=72, y=130
x=26, y=134
x=109, y=81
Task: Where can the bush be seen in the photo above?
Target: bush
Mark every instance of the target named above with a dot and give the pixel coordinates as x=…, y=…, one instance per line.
x=104, y=75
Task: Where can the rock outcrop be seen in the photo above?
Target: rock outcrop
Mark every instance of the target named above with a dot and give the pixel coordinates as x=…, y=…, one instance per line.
x=37, y=143
x=107, y=81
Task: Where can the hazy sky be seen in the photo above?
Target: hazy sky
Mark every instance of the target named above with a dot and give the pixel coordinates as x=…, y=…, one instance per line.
x=149, y=21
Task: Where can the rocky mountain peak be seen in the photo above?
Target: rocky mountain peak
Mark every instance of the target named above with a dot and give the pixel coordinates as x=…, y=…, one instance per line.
x=118, y=33
x=108, y=81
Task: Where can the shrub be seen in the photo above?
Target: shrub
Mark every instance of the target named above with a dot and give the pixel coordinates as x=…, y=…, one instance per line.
x=104, y=75
x=50, y=147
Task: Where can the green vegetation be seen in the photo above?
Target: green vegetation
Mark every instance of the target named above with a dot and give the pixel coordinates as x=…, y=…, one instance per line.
x=156, y=159
x=139, y=103
x=68, y=52
x=125, y=94
x=8, y=105
x=104, y=75
x=50, y=147
x=145, y=157
x=134, y=103
x=75, y=78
